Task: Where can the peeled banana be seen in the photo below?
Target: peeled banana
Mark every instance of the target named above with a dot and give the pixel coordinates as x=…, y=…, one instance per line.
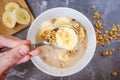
x=66, y=38
x=8, y=19
x=21, y=16
x=11, y=6
x=60, y=21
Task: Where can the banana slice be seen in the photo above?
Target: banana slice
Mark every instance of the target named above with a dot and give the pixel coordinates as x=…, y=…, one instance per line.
x=21, y=16
x=70, y=26
x=8, y=19
x=63, y=57
x=45, y=29
x=66, y=38
x=60, y=21
x=81, y=33
x=46, y=24
x=45, y=33
x=11, y=6
x=42, y=35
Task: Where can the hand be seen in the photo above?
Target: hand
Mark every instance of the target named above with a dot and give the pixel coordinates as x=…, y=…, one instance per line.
x=19, y=52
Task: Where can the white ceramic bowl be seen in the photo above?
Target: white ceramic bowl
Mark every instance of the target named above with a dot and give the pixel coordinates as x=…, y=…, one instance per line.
x=62, y=11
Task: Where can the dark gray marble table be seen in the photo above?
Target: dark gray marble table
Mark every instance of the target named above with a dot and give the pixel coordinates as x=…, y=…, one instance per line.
x=99, y=68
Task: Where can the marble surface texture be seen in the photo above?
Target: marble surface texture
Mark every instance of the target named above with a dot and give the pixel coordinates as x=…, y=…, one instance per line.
x=99, y=68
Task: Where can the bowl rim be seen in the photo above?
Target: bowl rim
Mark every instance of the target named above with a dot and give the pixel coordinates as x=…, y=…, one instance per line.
x=91, y=55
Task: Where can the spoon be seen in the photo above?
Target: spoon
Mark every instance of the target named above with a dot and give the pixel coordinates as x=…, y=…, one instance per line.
x=33, y=46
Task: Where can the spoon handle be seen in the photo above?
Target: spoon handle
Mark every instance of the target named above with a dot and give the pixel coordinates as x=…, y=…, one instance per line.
x=33, y=46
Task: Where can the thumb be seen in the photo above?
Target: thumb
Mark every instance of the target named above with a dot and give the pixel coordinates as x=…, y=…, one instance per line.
x=11, y=57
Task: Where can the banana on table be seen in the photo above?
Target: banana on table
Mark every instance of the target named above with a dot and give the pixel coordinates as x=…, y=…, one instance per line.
x=14, y=14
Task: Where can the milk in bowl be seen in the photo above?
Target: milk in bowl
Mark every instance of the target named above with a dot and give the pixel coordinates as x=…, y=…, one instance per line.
x=69, y=39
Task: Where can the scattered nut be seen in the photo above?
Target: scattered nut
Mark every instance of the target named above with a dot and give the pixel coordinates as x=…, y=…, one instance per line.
x=108, y=52
x=99, y=25
x=97, y=15
x=114, y=32
x=93, y=6
x=104, y=38
x=114, y=73
x=105, y=53
x=118, y=48
x=106, y=32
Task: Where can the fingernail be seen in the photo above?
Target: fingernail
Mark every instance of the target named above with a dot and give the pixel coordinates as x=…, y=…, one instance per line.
x=23, y=50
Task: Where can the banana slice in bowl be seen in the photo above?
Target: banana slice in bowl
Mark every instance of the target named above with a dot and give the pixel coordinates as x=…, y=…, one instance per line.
x=44, y=31
x=82, y=33
x=11, y=6
x=21, y=16
x=8, y=19
x=60, y=21
x=46, y=24
x=66, y=38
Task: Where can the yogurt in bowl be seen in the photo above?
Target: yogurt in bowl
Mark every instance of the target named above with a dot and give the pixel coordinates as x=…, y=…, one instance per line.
x=72, y=32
